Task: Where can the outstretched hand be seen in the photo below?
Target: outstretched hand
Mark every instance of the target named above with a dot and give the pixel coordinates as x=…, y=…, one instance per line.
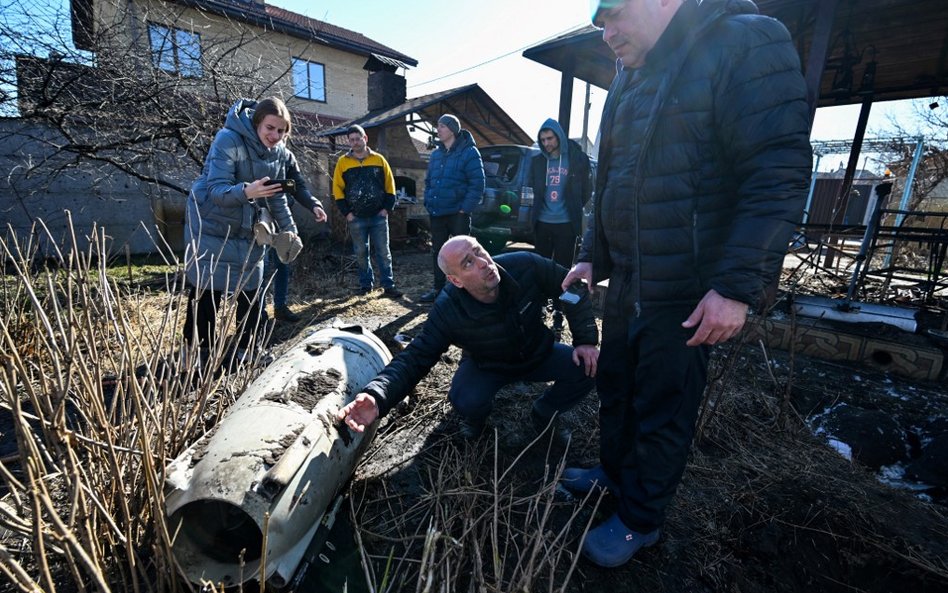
x=360, y=412
x=718, y=319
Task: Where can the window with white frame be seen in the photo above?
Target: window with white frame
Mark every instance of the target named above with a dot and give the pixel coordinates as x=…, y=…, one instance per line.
x=175, y=50
x=309, y=80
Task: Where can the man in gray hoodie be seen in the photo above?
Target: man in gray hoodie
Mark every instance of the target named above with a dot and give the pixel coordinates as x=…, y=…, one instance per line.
x=561, y=187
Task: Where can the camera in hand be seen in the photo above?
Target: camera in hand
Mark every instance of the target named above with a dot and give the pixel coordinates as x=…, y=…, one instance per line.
x=574, y=293
x=288, y=185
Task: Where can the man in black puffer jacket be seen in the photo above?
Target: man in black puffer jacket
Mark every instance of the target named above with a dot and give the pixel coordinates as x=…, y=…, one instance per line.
x=494, y=312
x=704, y=166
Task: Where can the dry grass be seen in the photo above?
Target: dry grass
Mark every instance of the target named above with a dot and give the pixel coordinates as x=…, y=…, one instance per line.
x=99, y=405
x=762, y=507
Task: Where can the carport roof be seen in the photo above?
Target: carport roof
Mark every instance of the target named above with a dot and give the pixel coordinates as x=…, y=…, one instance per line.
x=479, y=114
x=909, y=39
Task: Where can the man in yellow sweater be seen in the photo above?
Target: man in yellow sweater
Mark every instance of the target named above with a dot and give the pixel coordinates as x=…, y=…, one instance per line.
x=364, y=191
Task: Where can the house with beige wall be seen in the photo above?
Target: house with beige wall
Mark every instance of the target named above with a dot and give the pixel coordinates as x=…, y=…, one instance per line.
x=318, y=68
x=212, y=52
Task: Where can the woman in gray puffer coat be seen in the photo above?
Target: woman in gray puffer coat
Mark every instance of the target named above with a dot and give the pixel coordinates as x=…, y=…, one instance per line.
x=225, y=202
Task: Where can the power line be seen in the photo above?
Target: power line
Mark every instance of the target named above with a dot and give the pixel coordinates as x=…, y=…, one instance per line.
x=500, y=57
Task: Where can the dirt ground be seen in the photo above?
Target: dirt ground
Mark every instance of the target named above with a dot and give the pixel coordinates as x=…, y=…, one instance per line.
x=764, y=504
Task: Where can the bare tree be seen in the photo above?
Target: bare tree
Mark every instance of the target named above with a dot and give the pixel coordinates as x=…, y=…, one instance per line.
x=931, y=123
x=113, y=104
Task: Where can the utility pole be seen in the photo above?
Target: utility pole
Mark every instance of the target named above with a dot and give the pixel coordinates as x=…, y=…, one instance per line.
x=586, y=120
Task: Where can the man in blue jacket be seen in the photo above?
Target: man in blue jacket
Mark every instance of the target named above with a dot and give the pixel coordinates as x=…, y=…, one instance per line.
x=704, y=165
x=454, y=185
x=494, y=312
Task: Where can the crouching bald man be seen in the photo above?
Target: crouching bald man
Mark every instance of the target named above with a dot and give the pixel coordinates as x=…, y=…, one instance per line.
x=493, y=311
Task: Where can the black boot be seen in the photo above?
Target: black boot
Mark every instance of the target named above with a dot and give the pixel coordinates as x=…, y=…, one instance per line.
x=285, y=314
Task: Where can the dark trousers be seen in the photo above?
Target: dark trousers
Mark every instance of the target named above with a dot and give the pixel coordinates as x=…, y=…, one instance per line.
x=472, y=389
x=555, y=241
x=200, y=319
x=650, y=385
x=442, y=229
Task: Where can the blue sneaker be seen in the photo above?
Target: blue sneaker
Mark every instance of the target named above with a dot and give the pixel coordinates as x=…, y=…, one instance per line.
x=613, y=544
x=584, y=480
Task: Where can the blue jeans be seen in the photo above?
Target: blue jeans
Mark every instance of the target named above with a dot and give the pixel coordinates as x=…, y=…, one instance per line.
x=472, y=389
x=371, y=233
x=281, y=281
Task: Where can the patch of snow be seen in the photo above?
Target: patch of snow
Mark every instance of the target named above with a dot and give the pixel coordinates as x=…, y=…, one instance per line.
x=816, y=420
x=840, y=447
x=891, y=392
x=894, y=475
x=888, y=473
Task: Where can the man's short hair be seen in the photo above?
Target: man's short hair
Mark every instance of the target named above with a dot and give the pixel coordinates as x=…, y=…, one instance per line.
x=356, y=129
x=443, y=264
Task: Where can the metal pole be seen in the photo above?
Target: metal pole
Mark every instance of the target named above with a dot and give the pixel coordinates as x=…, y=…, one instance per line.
x=809, y=196
x=907, y=190
x=868, y=240
x=586, y=121
x=842, y=200
x=819, y=50
x=906, y=195
x=566, y=98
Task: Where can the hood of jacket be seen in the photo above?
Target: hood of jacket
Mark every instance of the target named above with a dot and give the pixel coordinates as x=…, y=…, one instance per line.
x=554, y=126
x=240, y=120
x=463, y=140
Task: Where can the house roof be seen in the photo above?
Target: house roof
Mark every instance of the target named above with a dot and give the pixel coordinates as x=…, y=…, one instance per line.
x=908, y=39
x=336, y=36
x=478, y=113
x=263, y=15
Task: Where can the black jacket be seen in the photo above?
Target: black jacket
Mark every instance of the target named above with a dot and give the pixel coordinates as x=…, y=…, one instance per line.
x=508, y=336
x=704, y=162
x=578, y=185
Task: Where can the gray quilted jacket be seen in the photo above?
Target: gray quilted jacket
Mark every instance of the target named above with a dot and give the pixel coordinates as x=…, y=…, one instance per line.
x=221, y=253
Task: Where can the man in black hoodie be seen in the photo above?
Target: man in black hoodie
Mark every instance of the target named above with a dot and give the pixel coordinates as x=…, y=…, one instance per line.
x=561, y=188
x=704, y=165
